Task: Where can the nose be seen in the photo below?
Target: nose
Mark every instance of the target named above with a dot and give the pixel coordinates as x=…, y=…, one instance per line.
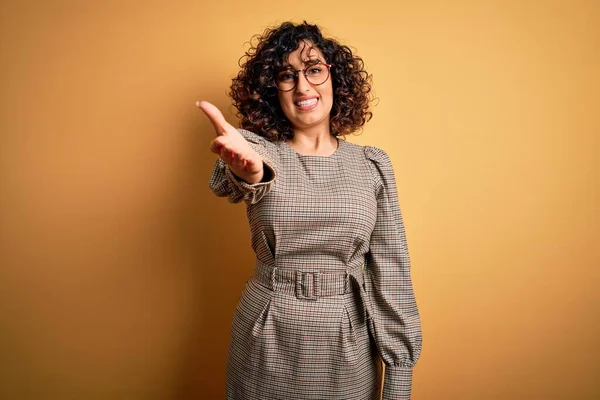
x=303, y=84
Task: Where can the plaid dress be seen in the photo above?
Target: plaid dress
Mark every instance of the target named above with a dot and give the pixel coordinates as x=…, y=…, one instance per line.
x=331, y=295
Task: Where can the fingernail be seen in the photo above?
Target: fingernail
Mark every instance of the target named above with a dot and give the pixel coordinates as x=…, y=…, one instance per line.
x=198, y=103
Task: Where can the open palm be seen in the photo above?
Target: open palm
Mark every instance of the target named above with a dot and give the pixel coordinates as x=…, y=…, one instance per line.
x=232, y=147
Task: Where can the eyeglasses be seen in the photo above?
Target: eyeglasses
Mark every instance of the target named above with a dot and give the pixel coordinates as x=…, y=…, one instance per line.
x=316, y=74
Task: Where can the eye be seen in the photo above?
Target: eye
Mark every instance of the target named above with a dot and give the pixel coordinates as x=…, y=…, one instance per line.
x=286, y=76
x=315, y=70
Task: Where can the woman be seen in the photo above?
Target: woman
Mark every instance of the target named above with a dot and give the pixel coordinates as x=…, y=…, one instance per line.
x=331, y=294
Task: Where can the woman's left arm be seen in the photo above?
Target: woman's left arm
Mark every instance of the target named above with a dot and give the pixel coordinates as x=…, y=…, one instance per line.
x=394, y=318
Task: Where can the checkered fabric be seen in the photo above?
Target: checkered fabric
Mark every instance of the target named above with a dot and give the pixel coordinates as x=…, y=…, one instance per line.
x=332, y=294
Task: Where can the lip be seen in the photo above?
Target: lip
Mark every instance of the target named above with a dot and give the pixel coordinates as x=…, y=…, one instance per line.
x=306, y=108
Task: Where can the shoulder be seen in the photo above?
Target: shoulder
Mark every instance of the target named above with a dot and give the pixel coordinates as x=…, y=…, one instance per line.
x=251, y=136
x=377, y=156
x=382, y=171
x=260, y=143
x=371, y=153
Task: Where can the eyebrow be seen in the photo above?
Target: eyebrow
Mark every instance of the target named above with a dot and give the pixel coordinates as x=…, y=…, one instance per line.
x=309, y=61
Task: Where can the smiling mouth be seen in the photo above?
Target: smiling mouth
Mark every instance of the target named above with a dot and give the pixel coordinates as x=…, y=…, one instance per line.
x=306, y=104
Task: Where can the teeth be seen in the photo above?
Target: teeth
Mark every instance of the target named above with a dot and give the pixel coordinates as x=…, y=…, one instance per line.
x=305, y=103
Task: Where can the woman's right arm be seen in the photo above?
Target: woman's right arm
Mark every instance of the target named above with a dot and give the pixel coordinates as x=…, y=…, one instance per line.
x=244, y=170
x=232, y=147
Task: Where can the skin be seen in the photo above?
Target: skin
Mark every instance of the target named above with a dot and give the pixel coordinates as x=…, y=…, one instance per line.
x=312, y=135
x=232, y=147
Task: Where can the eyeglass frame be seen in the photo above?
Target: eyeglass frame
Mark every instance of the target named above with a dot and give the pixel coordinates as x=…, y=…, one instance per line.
x=304, y=73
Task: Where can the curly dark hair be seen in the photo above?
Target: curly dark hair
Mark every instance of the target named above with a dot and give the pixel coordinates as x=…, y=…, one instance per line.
x=254, y=90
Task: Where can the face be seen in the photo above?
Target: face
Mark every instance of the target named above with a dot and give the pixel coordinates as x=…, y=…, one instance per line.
x=307, y=106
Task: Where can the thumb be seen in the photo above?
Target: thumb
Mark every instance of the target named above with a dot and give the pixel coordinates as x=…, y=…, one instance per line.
x=215, y=116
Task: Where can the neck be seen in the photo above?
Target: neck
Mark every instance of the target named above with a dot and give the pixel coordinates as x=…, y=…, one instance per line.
x=313, y=142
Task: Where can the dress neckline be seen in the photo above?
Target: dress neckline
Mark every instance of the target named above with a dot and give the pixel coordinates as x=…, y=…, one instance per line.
x=335, y=152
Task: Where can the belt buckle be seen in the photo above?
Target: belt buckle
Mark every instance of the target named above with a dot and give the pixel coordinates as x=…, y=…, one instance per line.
x=308, y=285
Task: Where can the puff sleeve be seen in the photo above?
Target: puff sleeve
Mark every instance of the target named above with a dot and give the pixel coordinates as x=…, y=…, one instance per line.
x=393, y=315
x=224, y=183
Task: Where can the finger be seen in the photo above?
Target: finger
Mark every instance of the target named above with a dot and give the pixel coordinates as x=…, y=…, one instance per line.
x=227, y=156
x=216, y=147
x=215, y=116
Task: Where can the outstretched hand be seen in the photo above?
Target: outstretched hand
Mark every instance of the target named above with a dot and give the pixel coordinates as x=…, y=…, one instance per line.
x=232, y=147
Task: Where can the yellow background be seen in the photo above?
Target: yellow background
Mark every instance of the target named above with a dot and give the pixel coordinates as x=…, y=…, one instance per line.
x=120, y=271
